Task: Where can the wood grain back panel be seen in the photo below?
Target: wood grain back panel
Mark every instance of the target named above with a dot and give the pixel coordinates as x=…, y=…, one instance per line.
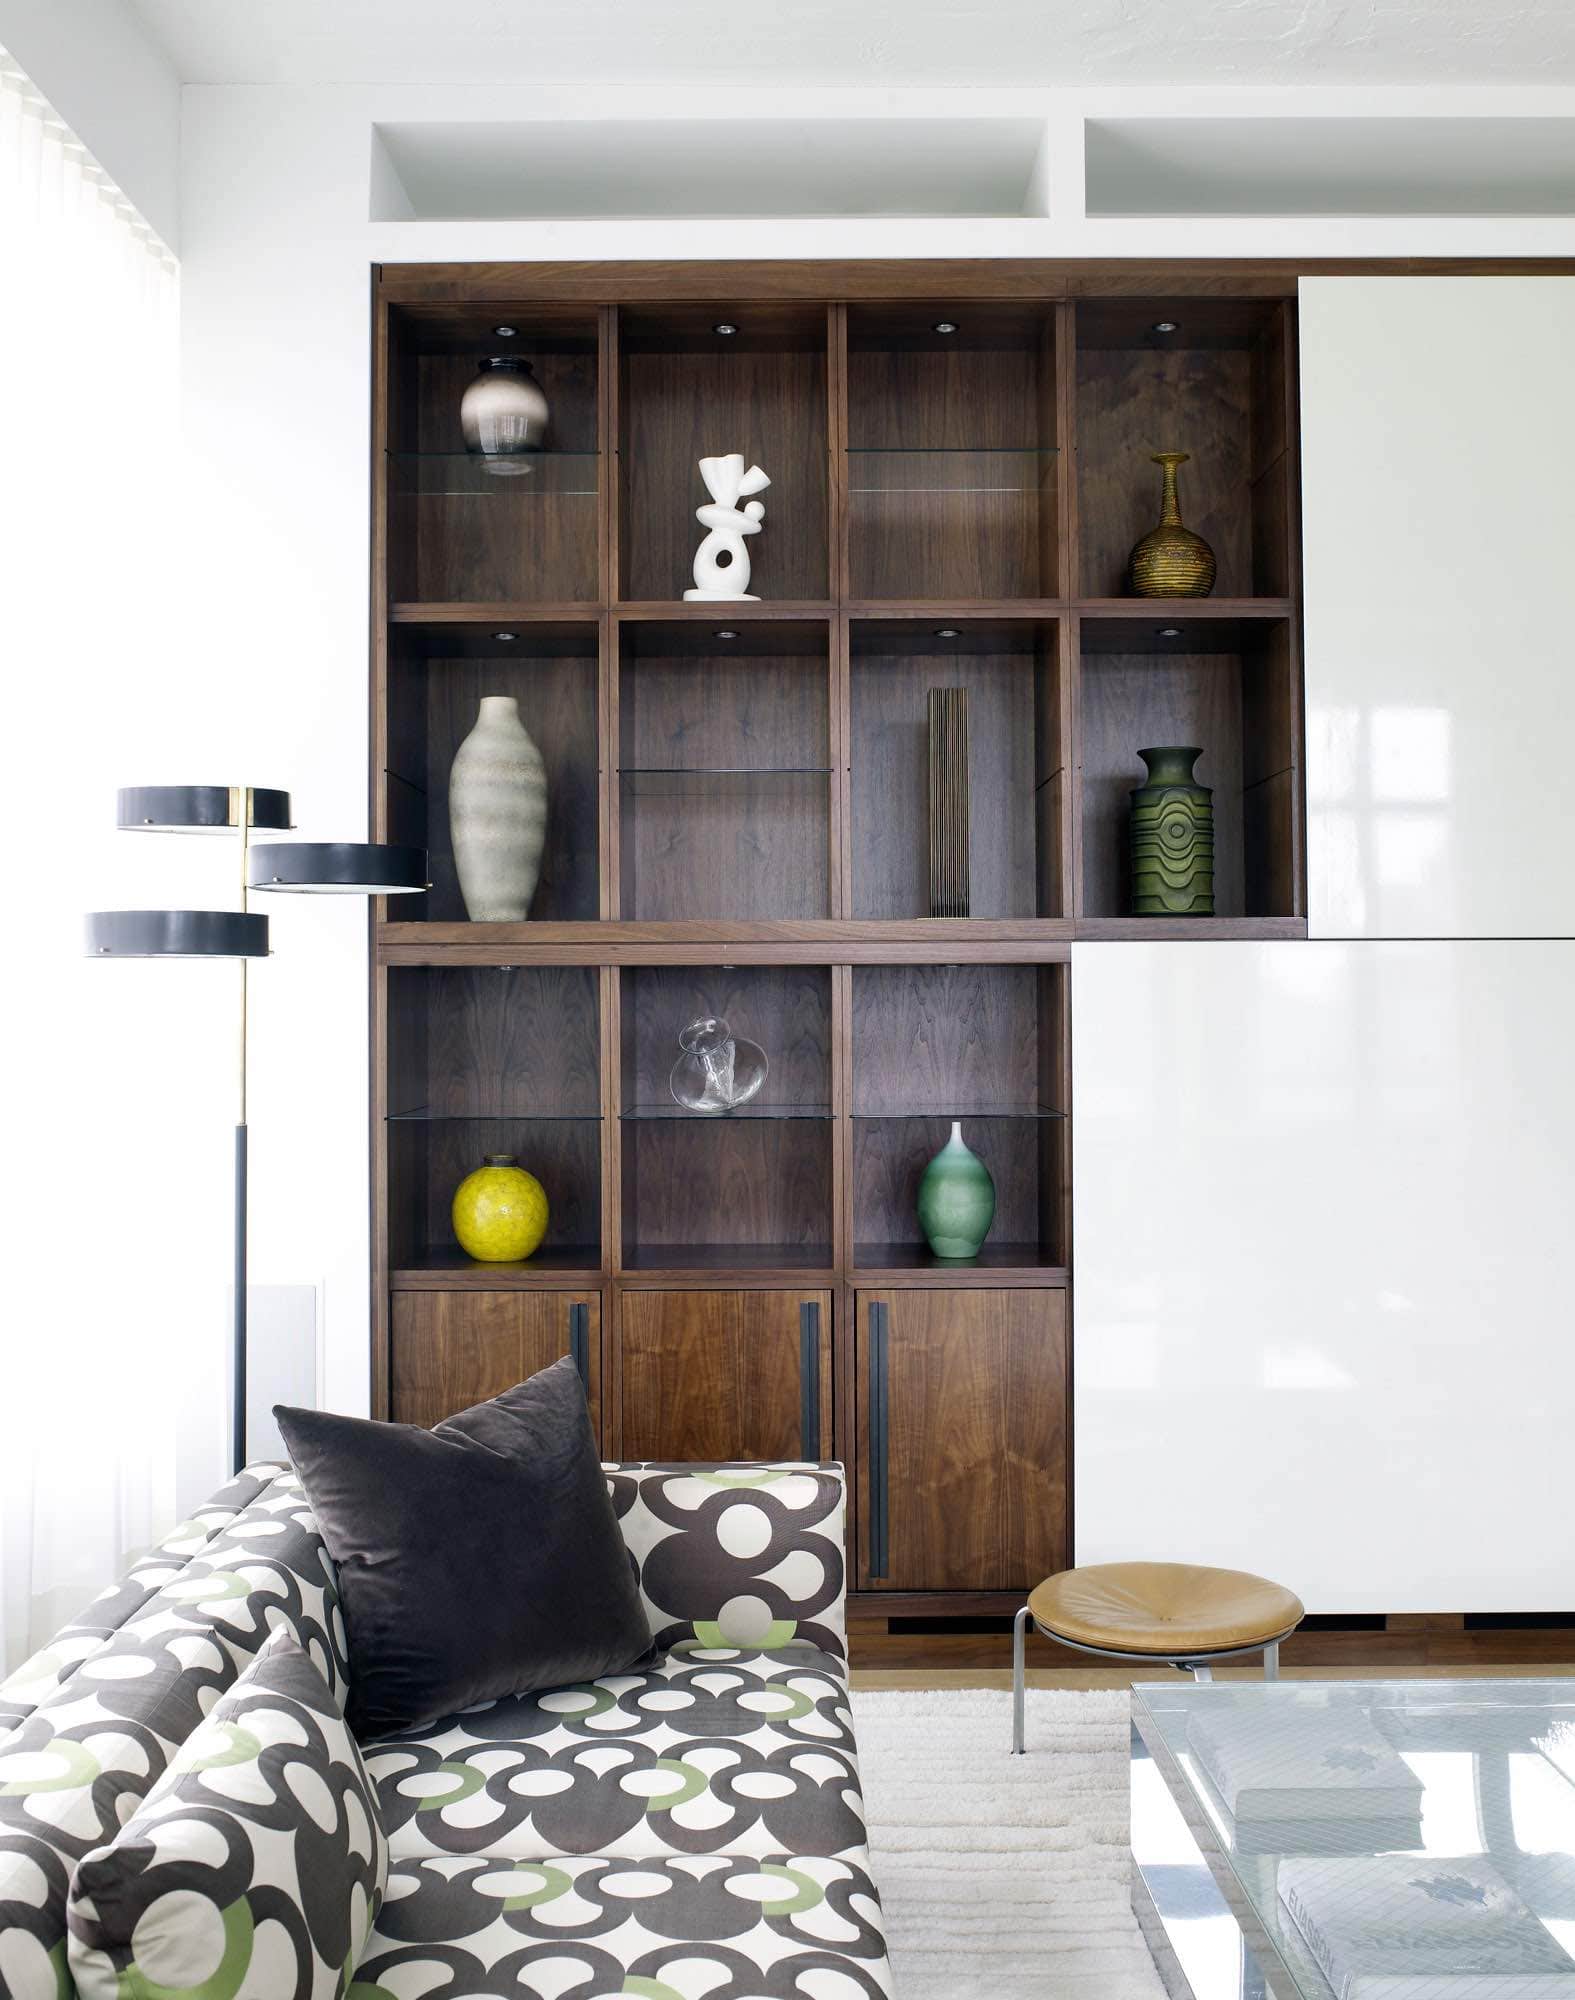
x=454, y=1349
x=976, y=1426
x=718, y=1374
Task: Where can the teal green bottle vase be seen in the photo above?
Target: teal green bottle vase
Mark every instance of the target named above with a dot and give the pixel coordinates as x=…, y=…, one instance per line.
x=956, y=1199
x=1172, y=834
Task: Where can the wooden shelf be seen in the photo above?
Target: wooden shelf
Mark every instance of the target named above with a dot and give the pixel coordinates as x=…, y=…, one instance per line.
x=446, y=1268
x=738, y=825
x=1012, y=669
x=1189, y=930
x=722, y=612
x=1179, y=610
x=954, y=1036
x=954, y=480
x=984, y=484
x=437, y=674
x=498, y=1064
x=954, y=610
x=490, y=615
x=682, y=390
x=1229, y=684
x=764, y=1263
x=1218, y=385
x=998, y=1263
x=832, y=941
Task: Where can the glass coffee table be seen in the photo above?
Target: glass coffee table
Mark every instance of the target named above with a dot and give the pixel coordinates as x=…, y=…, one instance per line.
x=1360, y=1840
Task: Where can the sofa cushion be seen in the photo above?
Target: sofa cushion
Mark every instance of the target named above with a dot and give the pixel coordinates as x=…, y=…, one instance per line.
x=45, y=1671
x=71, y=1773
x=712, y=1751
x=477, y=1559
x=693, y=1928
x=737, y=1555
x=256, y=1863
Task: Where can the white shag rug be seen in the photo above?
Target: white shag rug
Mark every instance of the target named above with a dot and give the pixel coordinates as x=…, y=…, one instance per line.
x=1001, y=1877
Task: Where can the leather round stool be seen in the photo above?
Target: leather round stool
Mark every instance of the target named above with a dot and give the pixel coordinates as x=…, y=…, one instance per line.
x=1178, y=1614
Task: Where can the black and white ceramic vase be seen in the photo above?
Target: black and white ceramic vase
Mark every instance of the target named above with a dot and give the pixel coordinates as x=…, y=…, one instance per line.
x=503, y=413
x=497, y=814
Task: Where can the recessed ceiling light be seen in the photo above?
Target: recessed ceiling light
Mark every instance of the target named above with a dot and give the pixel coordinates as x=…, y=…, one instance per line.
x=727, y=632
x=1167, y=326
x=1168, y=631
x=505, y=332
x=506, y=638
x=946, y=632
x=945, y=326
x=724, y=326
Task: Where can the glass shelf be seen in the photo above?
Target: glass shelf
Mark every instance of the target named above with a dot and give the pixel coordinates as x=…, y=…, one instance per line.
x=425, y=1117
x=978, y=1112
x=750, y=1110
x=953, y=472
x=522, y=475
x=654, y=781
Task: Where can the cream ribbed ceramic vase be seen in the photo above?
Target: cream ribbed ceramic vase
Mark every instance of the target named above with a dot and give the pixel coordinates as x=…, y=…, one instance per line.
x=497, y=814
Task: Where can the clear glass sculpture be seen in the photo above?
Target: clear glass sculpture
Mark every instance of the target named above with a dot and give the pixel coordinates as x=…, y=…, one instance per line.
x=718, y=1071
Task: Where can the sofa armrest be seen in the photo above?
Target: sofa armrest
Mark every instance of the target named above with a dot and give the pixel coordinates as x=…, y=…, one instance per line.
x=738, y=1554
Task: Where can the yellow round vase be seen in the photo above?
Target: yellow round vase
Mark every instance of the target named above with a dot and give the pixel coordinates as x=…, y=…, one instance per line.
x=500, y=1212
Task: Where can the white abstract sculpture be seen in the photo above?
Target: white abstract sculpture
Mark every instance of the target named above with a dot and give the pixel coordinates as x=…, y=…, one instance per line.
x=727, y=483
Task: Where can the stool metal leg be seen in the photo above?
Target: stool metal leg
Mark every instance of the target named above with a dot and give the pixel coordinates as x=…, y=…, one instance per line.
x=1200, y=1672
x=1271, y=1662
x=1019, y=1628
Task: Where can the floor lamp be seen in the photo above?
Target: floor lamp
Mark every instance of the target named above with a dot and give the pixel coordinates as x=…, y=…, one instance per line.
x=322, y=868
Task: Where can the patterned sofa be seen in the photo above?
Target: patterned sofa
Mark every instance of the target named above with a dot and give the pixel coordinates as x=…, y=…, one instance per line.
x=689, y=1832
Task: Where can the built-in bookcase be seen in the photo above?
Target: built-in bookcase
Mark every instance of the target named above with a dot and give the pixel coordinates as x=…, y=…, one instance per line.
x=739, y=820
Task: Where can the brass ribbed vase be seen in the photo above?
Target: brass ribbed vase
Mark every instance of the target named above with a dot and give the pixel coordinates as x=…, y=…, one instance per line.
x=1171, y=561
x=1172, y=835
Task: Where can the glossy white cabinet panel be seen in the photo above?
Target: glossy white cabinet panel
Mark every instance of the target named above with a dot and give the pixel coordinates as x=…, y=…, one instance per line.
x=1324, y=1238
x=1438, y=441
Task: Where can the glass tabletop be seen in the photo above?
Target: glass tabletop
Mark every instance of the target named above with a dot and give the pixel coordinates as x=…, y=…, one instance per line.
x=1378, y=1840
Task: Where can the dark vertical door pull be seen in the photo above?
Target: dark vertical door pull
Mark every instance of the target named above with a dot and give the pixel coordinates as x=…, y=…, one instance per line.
x=580, y=1342
x=880, y=1492
x=809, y=1379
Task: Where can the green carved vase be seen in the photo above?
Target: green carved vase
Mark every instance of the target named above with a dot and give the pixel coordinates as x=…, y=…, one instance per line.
x=956, y=1199
x=1172, y=834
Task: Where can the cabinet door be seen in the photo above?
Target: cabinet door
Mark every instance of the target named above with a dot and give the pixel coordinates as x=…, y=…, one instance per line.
x=452, y=1349
x=1439, y=694
x=962, y=1428
x=719, y=1375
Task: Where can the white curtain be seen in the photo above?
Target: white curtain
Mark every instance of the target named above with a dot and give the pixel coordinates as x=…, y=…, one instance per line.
x=115, y=1120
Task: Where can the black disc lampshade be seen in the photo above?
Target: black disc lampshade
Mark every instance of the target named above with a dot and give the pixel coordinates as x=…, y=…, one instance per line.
x=176, y=934
x=338, y=868
x=199, y=808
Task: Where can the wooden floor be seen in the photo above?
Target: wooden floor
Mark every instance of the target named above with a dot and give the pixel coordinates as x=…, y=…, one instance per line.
x=1120, y=1677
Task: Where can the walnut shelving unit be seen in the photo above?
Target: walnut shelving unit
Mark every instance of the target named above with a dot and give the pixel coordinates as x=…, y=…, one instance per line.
x=737, y=826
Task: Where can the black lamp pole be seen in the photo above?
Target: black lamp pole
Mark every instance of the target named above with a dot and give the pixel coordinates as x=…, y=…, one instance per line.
x=305, y=867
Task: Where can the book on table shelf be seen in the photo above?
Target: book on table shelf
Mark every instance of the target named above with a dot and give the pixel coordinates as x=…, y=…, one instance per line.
x=1330, y=1758
x=1335, y=1785
x=1422, y=1927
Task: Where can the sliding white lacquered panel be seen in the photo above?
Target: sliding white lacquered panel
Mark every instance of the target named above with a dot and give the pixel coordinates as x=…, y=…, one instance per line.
x=1324, y=1232
x=1438, y=476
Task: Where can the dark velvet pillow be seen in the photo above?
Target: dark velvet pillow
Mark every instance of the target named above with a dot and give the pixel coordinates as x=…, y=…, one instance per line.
x=478, y=1559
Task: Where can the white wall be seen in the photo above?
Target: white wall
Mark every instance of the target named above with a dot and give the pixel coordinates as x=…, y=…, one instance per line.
x=277, y=251
x=116, y=89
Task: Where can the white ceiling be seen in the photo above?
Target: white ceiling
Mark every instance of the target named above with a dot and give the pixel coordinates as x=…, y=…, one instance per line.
x=862, y=42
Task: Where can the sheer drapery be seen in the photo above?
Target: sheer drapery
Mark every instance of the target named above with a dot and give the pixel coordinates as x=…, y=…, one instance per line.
x=116, y=1110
